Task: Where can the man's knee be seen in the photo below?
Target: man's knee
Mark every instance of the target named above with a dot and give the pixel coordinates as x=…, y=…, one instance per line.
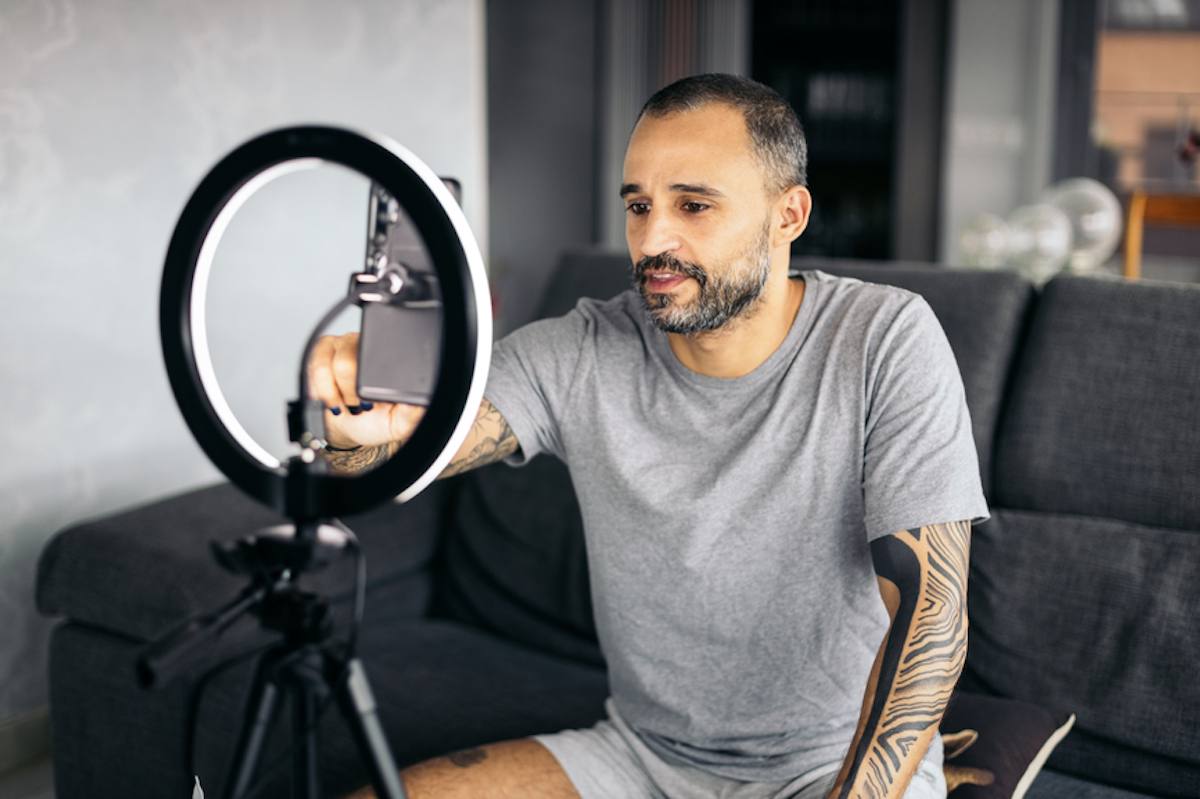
x=520, y=769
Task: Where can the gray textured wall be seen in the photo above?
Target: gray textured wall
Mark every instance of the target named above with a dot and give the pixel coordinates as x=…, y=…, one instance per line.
x=110, y=112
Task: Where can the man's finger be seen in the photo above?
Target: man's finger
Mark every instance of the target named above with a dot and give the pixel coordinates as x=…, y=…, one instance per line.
x=345, y=369
x=321, y=383
x=403, y=420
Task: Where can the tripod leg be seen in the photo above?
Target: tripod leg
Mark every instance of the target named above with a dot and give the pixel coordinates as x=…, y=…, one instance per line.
x=308, y=687
x=357, y=704
x=260, y=711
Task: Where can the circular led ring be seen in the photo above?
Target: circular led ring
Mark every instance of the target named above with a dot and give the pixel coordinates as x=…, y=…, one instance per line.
x=466, y=338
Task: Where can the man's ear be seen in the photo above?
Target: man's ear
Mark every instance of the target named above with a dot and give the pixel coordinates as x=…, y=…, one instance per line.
x=791, y=215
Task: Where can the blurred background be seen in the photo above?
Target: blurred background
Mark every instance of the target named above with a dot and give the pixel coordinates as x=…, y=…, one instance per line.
x=920, y=115
x=933, y=127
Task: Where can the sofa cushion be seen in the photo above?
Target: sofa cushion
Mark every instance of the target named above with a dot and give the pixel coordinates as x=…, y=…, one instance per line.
x=995, y=747
x=1098, y=617
x=514, y=561
x=1053, y=785
x=596, y=272
x=439, y=687
x=983, y=314
x=139, y=572
x=1103, y=416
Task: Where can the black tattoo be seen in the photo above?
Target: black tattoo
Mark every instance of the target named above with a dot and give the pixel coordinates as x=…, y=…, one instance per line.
x=494, y=440
x=923, y=654
x=358, y=460
x=467, y=757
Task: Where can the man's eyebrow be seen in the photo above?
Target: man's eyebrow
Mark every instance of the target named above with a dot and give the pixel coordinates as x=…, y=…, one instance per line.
x=696, y=188
x=683, y=188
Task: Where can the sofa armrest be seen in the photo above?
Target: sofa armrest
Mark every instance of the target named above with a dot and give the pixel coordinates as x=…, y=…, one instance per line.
x=139, y=572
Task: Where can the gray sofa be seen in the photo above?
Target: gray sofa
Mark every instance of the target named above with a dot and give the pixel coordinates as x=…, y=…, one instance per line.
x=1084, y=589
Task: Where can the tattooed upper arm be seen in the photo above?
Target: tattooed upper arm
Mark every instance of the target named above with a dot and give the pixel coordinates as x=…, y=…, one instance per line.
x=931, y=560
x=491, y=439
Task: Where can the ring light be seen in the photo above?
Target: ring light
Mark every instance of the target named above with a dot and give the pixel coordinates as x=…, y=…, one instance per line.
x=466, y=335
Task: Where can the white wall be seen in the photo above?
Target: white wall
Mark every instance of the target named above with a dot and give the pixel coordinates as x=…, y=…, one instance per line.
x=110, y=112
x=999, y=110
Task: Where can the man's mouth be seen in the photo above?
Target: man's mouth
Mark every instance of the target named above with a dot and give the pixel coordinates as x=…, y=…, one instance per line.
x=663, y=281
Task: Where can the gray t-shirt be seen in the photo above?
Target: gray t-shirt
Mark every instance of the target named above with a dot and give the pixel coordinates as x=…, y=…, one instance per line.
x=728, y=520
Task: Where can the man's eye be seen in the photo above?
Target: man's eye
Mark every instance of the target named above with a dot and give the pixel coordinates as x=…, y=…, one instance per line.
x=637, y=209
x=693, y=207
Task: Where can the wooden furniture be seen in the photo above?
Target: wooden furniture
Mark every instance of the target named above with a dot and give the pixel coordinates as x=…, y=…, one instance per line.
x=1147, y=206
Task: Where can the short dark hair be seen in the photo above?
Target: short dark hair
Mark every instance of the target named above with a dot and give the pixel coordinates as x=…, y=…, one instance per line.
x=774, y=128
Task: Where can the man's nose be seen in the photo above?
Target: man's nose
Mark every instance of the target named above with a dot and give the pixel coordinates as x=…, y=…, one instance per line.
x=659, y=235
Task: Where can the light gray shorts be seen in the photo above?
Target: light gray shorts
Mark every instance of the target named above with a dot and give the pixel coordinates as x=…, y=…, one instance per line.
x=609, y=761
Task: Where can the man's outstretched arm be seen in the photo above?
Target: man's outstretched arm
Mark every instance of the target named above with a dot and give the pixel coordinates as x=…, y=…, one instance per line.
x=922, y=577
x=491, y=439
x=363, y=435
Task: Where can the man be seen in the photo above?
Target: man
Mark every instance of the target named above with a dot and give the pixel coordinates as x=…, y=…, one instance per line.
x=759, y=460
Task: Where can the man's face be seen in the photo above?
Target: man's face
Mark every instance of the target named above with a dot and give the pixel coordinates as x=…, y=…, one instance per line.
x=697, y=218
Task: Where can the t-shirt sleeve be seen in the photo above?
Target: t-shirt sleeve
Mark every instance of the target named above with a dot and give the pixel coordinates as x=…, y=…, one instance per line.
x=530, y=378
x=920, y=466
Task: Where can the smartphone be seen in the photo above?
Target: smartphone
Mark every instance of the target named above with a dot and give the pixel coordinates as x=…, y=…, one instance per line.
x=399, y=345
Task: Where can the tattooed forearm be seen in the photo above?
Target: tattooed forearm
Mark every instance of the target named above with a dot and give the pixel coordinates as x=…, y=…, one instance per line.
x=490, y=440
x=923, y=574
x=358, y=460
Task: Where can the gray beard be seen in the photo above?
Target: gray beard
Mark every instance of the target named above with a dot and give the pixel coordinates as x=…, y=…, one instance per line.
x=720, y=301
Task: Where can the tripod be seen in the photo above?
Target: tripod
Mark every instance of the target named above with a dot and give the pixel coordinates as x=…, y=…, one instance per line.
x=306, y=665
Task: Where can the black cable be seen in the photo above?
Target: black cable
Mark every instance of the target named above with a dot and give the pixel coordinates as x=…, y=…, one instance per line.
x=360, y=587
x=194, y=715
x=197, y=697
x=271, y=770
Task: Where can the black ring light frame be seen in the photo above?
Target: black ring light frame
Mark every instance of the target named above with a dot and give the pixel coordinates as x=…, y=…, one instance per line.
x=466, y=321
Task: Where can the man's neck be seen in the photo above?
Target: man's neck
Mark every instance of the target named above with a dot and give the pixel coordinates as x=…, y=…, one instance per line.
x=743, y=344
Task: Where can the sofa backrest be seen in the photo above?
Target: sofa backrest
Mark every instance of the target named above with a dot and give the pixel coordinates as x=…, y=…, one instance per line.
x=513, y=558
x=1085, y=585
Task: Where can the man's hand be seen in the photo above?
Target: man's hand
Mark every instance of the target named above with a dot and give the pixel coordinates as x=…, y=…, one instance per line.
x=366, y=434
x=372, y=430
